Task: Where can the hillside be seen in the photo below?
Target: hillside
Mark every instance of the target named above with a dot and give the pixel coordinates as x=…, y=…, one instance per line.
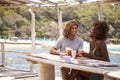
x=16, y=21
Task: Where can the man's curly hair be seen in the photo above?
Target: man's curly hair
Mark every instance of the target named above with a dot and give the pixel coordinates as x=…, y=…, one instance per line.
x=101, y=30
x=68, y=26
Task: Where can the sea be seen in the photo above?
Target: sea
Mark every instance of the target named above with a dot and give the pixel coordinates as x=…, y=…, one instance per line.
x=13, y=59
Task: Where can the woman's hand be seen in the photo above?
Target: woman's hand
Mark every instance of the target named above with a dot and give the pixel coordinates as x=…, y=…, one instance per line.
x=81, y=53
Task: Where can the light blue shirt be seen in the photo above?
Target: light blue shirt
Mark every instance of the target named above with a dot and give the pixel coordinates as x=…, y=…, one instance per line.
x=62, y=43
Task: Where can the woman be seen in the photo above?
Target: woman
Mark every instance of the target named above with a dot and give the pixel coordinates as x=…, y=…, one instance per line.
x=71, y=40
x=98, y=50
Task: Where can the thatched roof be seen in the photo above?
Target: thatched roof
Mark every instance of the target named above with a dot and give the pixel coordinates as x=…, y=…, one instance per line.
x=14, y=2
x=8, y=3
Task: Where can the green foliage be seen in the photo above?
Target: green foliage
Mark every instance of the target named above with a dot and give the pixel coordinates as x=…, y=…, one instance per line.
x=84, y=14
x=3, y=31
x=10, y=17
x=17, y=33
x=115, y=37
x=111, y=13
x=40, y=33
x=26, y=22
x=23, y=11
x=2, y=11
x=1, y=21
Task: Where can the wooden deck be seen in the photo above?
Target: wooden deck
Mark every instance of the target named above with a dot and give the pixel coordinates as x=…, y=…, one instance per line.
x=7, y=73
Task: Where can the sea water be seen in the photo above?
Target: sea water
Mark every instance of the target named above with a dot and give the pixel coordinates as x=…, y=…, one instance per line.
x=114, y=49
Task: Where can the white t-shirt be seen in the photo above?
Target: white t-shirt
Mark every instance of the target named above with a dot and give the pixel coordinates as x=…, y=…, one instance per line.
x=63, y=42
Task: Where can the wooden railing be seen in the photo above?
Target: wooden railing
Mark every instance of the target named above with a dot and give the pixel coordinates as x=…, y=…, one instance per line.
x=16, y=43
x=3, y=51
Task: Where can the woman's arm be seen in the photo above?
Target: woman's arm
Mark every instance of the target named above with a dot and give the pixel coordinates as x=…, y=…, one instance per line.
x=54, y=51
x=103, y=51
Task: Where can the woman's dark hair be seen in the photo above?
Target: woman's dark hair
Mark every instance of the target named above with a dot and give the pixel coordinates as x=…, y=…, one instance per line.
x=68, y=26
x=101, y=30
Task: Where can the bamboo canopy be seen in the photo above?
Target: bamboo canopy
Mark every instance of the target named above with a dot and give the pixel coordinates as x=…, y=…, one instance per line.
x=54, y=3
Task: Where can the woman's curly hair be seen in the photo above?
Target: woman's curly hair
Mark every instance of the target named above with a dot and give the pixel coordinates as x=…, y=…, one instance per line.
x=68, y=26
x=101, y=30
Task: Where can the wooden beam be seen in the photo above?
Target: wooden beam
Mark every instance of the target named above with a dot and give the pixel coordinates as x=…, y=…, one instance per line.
x=99, y=11
x=11, y=2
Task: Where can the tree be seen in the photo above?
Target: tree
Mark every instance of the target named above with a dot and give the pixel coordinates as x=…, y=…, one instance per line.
x=10, y=18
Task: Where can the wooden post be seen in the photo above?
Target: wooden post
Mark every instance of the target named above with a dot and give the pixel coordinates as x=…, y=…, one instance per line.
x=60, y=25
x=46, y=72
x=33, y=30
x=99, y=11
x=32, y=35
x=3, y=54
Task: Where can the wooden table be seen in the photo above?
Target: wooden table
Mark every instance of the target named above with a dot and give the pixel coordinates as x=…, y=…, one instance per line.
x=114, y=75
x=47, y=62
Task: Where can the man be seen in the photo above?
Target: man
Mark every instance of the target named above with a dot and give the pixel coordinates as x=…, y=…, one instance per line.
x=71, y=40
